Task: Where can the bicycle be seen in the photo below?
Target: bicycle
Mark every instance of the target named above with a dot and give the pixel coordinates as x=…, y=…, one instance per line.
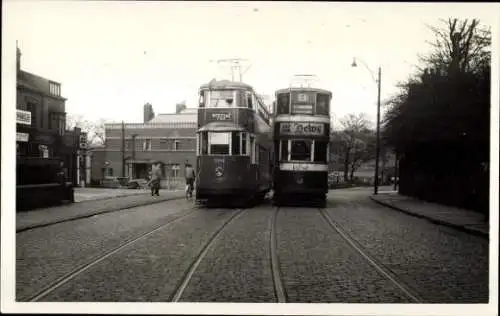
x=189, y=191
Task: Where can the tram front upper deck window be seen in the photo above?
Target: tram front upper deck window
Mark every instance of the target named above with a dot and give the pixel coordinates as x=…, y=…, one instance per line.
x=320, y=151
x=221, y=99
x=283, y=103
x=303, y=102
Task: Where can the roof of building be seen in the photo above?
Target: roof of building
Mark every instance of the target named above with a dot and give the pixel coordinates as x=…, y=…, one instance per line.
x=188, y=115
x=175, y=118
x=35, y=83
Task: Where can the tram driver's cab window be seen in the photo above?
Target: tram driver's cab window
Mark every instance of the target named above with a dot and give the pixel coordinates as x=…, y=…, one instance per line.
x=218, y=143
x=283, y=103
x=221, y=99
x=300, y=150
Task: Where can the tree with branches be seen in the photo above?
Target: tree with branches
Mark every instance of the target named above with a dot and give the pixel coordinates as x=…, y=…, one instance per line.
x=439, y=122
x=94, y=129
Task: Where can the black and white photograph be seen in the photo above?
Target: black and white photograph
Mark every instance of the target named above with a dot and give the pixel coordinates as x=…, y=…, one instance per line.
x=240, y=157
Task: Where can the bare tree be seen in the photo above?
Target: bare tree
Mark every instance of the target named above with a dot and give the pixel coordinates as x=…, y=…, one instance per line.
x=94, y=129
x=461, y=45
x=355, y=129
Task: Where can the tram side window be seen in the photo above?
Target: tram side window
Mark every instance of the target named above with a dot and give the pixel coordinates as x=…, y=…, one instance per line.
x=236, y=143
x=322, y=104
x=244, y=137
x=201, y=101
x=249, y=100
x=204, y=143
x=252, y=149
x=283, y=103
x=320, y=151
x=300, y=150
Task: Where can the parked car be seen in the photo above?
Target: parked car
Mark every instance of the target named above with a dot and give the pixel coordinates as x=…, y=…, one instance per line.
x=137, y=184
x=114, y=182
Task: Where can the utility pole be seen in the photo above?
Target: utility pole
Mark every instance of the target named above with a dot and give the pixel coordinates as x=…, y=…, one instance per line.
x=235, y=65
x=123, y=149
x=133, y=155
x=378, y=131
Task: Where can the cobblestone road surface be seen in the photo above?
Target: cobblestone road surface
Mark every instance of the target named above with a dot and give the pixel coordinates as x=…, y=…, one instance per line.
x=438, y=264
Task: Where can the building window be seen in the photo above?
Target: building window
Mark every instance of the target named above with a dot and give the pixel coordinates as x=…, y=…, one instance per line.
x=129, y=143
x=176, y=169
x=146, y=146
x=177, y=145
x=55, y=88
x=163, y=143
x=31, y=107
x=110, y=172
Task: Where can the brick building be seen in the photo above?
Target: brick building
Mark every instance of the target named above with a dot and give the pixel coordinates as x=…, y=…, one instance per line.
x=42, y=141
x=168, y=138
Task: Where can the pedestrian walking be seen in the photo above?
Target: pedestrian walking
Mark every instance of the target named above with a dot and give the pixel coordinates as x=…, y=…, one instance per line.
x=190, y=176
x=156, y=176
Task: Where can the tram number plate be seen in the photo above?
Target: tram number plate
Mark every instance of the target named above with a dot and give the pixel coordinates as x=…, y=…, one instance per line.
x=301, y=129
x=221, y=116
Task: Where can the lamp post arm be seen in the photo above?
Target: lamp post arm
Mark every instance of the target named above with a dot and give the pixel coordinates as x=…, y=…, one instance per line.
x=368, y=68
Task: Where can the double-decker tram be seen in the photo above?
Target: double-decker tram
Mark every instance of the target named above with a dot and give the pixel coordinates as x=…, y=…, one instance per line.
x=301, y=134
x=233, y=144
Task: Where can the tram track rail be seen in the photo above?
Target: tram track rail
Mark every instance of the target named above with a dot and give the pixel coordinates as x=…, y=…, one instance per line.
x=380, y=267
x=101, y=257
x=279, y=288
x=184, y=282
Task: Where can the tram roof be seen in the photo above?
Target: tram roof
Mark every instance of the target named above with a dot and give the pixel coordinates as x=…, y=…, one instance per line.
x=304, y=89
x=227, y=84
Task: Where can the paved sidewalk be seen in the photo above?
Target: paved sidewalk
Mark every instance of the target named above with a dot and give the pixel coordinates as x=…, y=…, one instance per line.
x=465, y=220
x=88, y=194
x=47, y=216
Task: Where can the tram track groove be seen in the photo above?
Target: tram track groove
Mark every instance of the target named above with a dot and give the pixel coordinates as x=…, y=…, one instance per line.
x=195, y=263
x=384, y=271
x=279, y=288
x=82, y=268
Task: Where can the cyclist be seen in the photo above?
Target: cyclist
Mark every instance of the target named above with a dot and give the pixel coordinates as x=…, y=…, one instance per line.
x=190, y=176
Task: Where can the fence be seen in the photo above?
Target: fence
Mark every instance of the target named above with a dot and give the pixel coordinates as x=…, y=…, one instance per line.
x=173, y=184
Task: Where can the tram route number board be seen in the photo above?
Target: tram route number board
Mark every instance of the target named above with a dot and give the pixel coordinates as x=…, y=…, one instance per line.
x=302, y=129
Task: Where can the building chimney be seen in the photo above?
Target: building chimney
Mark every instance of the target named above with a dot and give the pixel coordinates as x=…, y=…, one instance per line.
x=179, y=107
x=149, y=114
x=18, y=58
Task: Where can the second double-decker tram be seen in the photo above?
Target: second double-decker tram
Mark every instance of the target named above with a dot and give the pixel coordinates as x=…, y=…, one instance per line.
x=233, y=143
x=301, y=135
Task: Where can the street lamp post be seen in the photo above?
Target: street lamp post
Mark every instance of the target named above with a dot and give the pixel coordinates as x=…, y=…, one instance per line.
x=377, y=150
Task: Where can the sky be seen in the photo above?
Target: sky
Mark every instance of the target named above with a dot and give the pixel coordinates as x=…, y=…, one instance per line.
x=112, y=57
